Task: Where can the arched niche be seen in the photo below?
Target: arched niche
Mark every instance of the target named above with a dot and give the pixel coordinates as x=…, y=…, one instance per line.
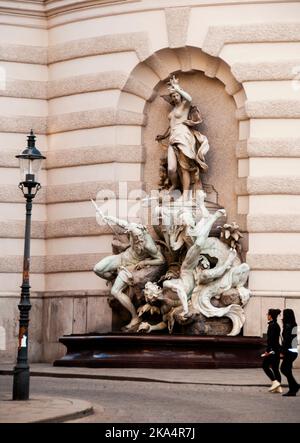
x=219, y=96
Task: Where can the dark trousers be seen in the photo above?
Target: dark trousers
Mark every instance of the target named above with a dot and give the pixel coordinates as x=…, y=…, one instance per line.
x=271, y=367
x=286, y=369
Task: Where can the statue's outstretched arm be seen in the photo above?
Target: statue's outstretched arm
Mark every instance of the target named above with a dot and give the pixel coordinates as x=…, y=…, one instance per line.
x=109, y=218
x=122, y=223
x=174, y=85
x=155, y=257
x=185, y=95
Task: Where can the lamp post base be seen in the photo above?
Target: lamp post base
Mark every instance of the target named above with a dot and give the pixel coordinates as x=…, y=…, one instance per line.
x=21, y=383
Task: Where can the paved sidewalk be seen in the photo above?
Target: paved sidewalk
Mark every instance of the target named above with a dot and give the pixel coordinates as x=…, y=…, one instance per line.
x=225, y=377
x=43, y=410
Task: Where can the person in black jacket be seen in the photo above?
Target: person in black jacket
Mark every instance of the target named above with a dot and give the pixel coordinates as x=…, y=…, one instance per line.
x=289, y=351
x=271, y=358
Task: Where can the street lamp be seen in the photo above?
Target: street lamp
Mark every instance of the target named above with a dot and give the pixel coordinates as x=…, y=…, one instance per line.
x=30, y=163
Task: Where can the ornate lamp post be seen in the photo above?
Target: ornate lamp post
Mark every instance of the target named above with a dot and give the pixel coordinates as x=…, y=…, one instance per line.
x=30, y=163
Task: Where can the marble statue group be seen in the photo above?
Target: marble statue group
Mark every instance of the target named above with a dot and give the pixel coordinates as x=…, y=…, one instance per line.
x=185, y=275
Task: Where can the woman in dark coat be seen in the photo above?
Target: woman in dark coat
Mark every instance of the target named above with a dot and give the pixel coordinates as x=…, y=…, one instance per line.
x=271, y=358
x=289, y=351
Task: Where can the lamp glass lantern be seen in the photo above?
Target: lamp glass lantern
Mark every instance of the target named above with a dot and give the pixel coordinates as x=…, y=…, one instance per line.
x=30, y=161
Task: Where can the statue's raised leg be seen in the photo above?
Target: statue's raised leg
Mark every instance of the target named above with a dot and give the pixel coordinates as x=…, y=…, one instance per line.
x=107, y=267
x=117, y=291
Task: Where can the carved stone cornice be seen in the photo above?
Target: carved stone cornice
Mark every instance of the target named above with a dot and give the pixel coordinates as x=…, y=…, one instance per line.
x=54, y=7
x=50, y=8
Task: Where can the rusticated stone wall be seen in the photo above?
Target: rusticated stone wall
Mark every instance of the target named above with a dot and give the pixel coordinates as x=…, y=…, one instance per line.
x=84, y=79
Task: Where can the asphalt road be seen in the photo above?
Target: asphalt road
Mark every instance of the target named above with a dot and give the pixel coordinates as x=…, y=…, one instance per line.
x=142, y=402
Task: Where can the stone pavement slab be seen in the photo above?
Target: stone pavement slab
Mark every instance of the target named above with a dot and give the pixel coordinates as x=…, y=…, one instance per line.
x=43, y=410
x=227, y=377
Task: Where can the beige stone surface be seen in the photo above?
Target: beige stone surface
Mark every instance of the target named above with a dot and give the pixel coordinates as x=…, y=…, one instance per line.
x=72, y=263
x=124, y=172
x=108, y=62
x=7, y=158
x=157, y=66
x=83, y=102
x=252, y=326
x=9, y=191
x=13, y=106
x=79, y=315
x=25, y=89
x=177, y=20
x=274, y=223
x=217, y=37
x=104, y=44
x=274, y=185
x=274, y=261
x=23, y=71
x=270, y=204
x=76, y=245
x=99, y=81
x=10, y=322
x=92, y=119
x=16, y=245
x=274, y=243
x=10, y=282
x=14, y=263
x=259, y=52
x=73, y=280
x=99, y=315
x=83, y=137
x=243, y=205
x=23, y=53
x=15, y=229
x=272, y=147
x=283, y=281
x=275, y=91
x=75, y=192
x=11, y=176
x=264, y=127
x=76, y=227
x=16, y=211
x=95, y=155
x=57, y=318
x=140, y=89
x=21, y=123
x=273, y=109
x=279, y=70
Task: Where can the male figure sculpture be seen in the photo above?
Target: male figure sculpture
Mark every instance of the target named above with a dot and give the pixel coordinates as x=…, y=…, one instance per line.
x=142, y=252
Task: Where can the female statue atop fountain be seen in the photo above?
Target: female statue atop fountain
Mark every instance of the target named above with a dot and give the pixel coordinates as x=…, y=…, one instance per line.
x=187, y=146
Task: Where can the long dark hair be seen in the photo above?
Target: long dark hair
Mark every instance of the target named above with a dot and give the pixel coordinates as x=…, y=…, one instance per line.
x=274, y=313
x=289, y=317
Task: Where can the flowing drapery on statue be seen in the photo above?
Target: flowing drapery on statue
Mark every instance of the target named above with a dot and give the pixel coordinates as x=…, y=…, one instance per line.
x=187, y=146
